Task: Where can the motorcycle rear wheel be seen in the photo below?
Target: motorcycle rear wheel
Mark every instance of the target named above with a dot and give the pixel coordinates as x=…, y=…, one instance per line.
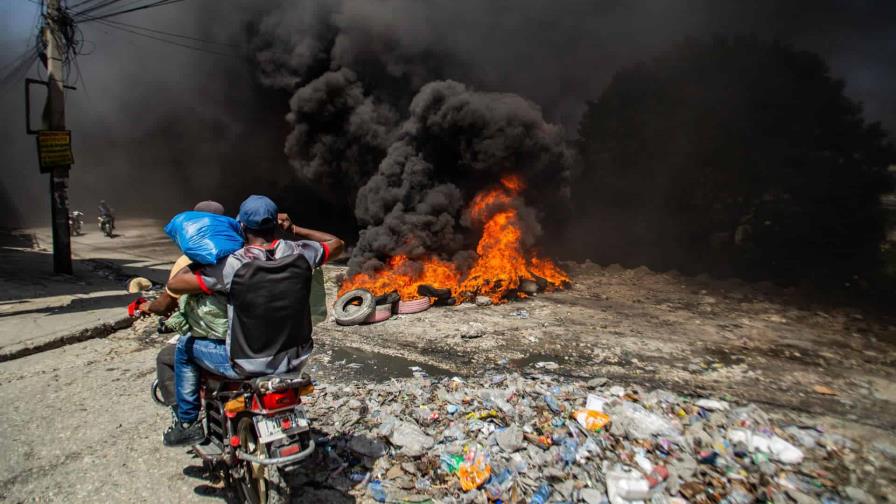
x=259, y=484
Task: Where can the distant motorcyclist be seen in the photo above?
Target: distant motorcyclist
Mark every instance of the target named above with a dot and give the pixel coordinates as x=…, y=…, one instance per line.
x=75, y=222
x=106, y=218
x=105, y=211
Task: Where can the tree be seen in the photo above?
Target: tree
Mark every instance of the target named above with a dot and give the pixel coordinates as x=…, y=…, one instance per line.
x=734, y=157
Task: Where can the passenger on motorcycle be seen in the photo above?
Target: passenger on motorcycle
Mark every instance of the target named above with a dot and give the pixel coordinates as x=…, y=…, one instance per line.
x=268, y=285
x=165, y=305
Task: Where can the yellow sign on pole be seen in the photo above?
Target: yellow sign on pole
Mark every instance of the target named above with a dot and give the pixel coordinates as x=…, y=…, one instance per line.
x=54, y=148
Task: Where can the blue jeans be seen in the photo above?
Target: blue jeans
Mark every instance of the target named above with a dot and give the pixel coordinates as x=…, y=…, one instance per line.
x=190, y=354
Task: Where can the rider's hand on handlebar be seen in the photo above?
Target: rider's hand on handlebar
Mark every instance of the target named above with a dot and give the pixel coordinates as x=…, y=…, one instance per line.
x=139, y=308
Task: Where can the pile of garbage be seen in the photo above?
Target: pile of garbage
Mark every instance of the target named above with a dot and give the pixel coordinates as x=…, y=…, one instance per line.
x=541, y=438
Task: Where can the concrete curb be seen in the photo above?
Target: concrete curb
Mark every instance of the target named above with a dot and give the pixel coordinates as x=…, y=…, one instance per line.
x=41, y=345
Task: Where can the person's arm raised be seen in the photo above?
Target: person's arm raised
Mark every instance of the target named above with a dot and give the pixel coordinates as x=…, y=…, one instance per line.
x=333, y=244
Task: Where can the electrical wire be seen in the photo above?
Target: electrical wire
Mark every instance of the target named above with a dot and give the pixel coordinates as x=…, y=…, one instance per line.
x=158, y=3
x=18, y=59
x=128, y=3
x=187, y=37
x=18, y=68
x=81, y=80
x=82, y=2
x=71, y=42
x=94, y=7
x=186, y=46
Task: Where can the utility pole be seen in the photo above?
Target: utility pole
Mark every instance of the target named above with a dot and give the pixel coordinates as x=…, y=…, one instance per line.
x=54, y=120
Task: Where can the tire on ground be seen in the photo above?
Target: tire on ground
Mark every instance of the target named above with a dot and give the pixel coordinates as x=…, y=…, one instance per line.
x=433, y=292
x=389, y=298
x=346, y=313
x=381, y=313
x=413, y=305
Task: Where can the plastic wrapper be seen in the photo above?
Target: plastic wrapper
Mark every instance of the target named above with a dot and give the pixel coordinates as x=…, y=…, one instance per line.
x=591, y=420
x=475, y=469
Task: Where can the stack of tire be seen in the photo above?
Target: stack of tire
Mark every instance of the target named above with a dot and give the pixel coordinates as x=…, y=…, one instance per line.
x=360, y=306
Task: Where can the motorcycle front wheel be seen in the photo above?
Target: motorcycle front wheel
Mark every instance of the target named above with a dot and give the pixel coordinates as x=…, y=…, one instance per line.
x=259, y=484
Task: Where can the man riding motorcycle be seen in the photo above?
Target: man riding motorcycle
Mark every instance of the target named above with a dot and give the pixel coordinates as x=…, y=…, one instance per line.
x=267, y=284
x=75, y=222
x=106, y=217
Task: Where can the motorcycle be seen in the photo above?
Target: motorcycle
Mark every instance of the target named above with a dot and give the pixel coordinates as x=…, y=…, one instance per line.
x=256, y=432
x=105, y=224
x=75, y=222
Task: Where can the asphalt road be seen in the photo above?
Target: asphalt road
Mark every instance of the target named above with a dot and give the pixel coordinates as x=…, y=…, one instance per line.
x=78, y=426
x=139, y=247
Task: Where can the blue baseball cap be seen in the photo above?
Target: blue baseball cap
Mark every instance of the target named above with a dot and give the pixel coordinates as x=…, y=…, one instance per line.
x=258, y=212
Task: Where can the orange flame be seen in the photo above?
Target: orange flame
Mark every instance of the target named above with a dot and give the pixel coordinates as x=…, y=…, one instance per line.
x=497, y=272
x=401, y=274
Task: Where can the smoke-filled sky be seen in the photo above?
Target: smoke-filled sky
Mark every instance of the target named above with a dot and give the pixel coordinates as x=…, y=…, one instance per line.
x=157, y=126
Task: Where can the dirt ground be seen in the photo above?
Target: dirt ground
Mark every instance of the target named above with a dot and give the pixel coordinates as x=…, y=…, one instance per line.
x=696, y=335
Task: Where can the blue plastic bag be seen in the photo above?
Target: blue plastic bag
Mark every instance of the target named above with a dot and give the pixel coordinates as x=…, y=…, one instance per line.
x=205, y=237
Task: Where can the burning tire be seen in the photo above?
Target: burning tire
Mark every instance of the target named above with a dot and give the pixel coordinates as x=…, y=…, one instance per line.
x=433, y=292
x=389, y=298
x=413, y=305
x=353, y=307
x=381, y=313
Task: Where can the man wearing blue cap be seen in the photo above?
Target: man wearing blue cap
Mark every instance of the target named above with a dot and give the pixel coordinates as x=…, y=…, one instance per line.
x=268, y=285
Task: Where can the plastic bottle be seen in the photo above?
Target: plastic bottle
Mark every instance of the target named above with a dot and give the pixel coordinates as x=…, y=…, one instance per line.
x=493, y=491
x=357, y=476
x=541, y=495
x=568, y=452
x=552, y=403
x=377, y=491
x=495, y=487
x=633, y=485
x=519, y=464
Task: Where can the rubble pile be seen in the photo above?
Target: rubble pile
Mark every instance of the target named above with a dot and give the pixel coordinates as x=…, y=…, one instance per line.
x=542, y=438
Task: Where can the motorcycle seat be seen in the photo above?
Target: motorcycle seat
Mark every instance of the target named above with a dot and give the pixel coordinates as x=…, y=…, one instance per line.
x=267, y=383
x=220, y=383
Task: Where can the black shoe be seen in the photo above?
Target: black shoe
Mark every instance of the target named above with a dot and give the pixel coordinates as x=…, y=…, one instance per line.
x=181, y=434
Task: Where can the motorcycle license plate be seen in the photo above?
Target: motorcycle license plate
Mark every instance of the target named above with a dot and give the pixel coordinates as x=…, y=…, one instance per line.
x=276, y=427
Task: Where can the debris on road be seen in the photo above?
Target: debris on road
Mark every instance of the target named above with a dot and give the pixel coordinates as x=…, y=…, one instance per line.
x=139, y=284
x=824, y=390
x=543, y=438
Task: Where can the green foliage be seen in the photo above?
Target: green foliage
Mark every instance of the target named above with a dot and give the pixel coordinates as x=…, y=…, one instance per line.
x=735, y=157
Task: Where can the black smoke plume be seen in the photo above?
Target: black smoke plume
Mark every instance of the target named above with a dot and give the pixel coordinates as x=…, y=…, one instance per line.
x=455, y=143
x=409, y=181
x=338, y=134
